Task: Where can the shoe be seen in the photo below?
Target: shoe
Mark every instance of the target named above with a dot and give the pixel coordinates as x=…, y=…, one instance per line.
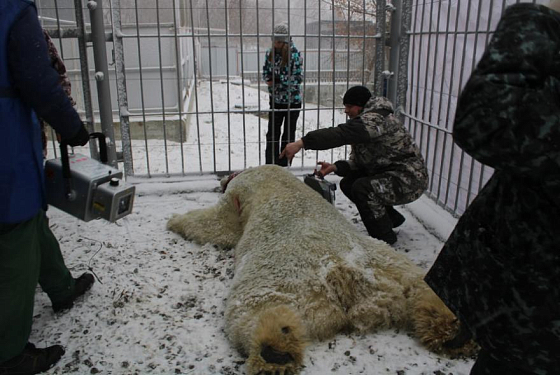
x=390, y=237
x=32, y=360
x=396, y=218
x=82, y=285
x=378, y=228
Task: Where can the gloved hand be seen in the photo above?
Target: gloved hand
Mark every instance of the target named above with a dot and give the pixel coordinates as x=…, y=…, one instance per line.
x=80, y=139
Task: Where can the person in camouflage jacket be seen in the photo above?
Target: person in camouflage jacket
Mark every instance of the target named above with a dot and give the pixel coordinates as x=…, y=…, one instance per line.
x=385, y=167
x=282, y=72
x=499, y=271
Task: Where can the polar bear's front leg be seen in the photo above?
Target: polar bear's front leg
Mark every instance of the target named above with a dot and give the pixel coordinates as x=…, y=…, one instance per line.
x=218, y=225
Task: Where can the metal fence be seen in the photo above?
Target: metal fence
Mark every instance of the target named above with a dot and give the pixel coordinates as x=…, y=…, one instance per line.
x=176, y=84
x=447, y=38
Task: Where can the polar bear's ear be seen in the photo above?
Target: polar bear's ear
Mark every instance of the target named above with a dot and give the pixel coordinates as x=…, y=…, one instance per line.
x=237, y=204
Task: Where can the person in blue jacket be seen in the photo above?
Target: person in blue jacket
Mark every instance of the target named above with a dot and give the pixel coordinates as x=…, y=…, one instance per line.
x=29, y=252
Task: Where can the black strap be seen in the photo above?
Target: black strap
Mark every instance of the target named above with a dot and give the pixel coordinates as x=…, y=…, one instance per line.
x=7, y=92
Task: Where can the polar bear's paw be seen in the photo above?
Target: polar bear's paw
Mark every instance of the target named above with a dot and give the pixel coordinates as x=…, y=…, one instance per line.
x=278, y=343
x=438, y=328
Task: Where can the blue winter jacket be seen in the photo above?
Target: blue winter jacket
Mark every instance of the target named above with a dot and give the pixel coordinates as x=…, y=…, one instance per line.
x=28, y=86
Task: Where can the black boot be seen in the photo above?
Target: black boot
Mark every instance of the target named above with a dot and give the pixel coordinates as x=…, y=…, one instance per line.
x=32, y=360
x=380, y=228
x=396, y=218
x=82, y=285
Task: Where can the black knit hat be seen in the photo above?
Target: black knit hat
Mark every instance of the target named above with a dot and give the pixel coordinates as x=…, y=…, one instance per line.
x=357, y=95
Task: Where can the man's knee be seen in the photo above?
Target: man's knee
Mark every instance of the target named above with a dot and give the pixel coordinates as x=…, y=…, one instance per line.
x=362, y=189
x=346, y=187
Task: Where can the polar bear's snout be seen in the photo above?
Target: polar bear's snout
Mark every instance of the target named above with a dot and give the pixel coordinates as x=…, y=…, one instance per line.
x=270, y=355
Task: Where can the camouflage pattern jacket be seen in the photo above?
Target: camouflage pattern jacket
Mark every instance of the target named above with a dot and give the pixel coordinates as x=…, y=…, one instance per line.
x=380, y=144
x=499, y=271
x=287, y=79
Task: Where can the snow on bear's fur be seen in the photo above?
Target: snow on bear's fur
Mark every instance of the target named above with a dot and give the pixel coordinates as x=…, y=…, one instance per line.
x=303, y=272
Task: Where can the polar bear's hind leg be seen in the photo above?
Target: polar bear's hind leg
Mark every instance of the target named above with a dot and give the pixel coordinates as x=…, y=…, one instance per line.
x=435, y=325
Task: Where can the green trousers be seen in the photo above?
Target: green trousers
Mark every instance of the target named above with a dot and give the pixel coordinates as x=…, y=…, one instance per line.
x=29, y=253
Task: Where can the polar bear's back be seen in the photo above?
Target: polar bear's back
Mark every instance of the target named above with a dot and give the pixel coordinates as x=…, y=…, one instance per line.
x=299, y=250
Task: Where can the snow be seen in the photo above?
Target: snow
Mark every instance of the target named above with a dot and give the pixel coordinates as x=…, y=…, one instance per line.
x=158, y=304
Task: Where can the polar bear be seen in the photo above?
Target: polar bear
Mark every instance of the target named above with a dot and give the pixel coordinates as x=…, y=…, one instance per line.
x=303, y=273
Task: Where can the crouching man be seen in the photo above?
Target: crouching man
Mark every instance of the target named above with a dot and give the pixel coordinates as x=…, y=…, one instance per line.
x=385, y=167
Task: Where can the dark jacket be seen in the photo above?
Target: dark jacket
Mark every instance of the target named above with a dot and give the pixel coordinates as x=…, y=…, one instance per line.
x=380, y=143
x=28, y=87
x=499, y=271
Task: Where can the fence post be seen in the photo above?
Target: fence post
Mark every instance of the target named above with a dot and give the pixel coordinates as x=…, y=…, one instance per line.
x=122, y=96
x=84, y=67
x=102, y=77
x=394, y=40
x=381, y=37
x=401, y=76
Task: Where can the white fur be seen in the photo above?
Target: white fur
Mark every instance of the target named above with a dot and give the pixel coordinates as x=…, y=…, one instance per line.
x=303, y=272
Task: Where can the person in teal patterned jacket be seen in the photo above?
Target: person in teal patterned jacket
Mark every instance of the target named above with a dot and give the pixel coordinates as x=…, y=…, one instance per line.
x=282, y=72
x=499, y=271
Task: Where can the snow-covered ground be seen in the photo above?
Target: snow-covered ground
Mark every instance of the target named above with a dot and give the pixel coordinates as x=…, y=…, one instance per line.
x=158, y=305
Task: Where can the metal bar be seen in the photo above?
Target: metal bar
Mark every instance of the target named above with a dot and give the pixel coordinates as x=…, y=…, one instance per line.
x=420, y=143
x=460, y=176
x=411, y=67
x=305, y=80
x=195, y=63
x=445, y=48
x=259, y=82
x=271, y=127
x=334, y=69
x=363, y=42
x=211, y=86
x=102, y=78
x=380, y=47
x=348, y=63
x=447, y=119
x=59, y=28
x=122, y=96
x=433, y=126
x=233, y=35
x=319, y=81
x=142, y=87
x=243, y=85
x=404, y=41
x=227, y=82
x=418, y=78
x=164, y=124
x=429, y=109
x=463, y=32
x=84, y=68
x=178, y=56
x=394, y=40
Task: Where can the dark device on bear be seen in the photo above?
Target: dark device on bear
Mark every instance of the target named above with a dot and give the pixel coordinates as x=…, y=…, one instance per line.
x=90, y=189
x=320, y=185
